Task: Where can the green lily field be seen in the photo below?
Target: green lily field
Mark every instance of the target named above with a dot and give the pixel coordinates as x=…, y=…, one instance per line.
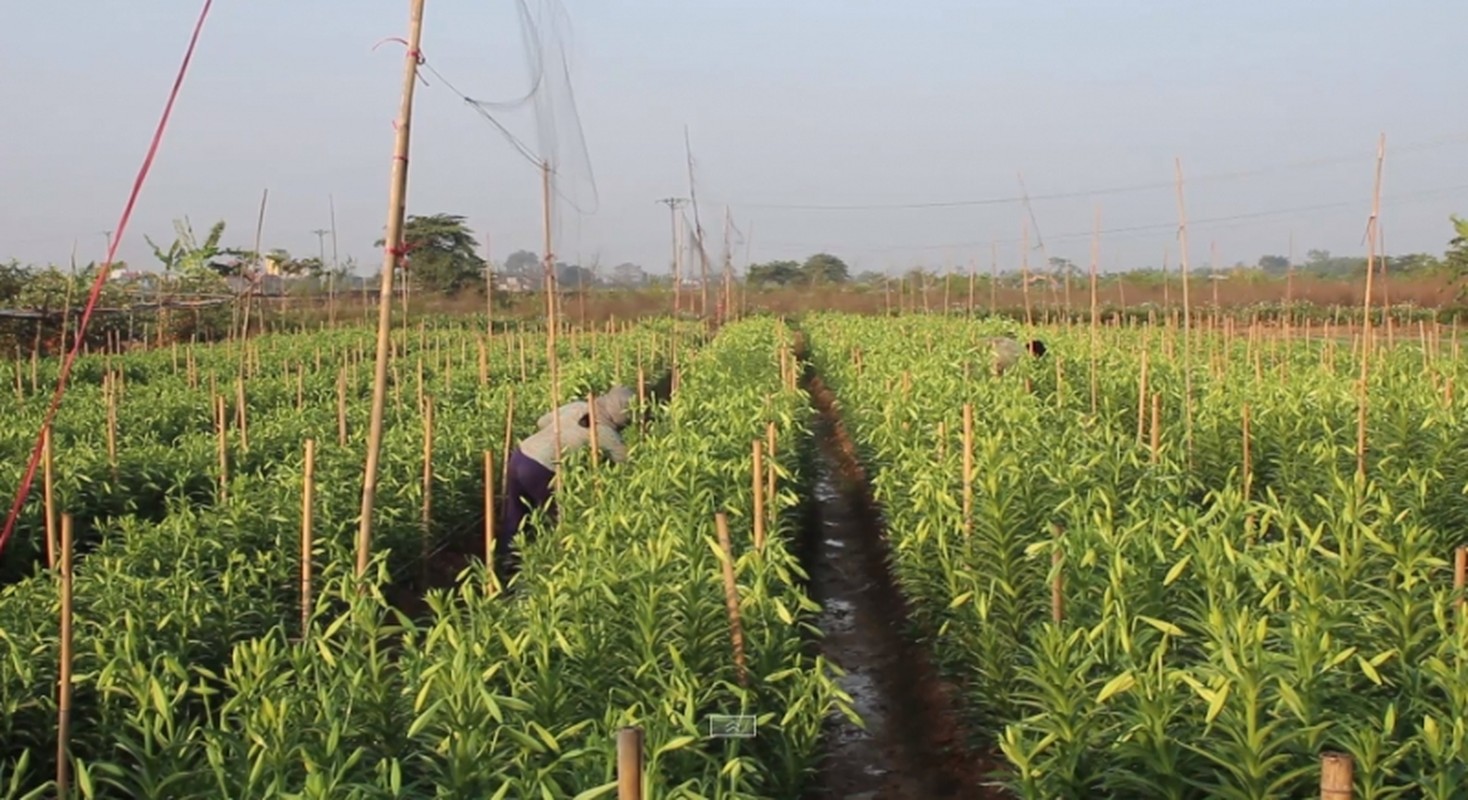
x=1158, y=562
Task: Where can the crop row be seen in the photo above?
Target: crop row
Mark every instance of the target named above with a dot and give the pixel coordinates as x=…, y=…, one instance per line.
x=164, y=441
x=184, y=586
x=1156, y=571
x=619, y=617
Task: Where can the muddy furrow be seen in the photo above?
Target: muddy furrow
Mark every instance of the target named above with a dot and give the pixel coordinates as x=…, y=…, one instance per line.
x=913, y=746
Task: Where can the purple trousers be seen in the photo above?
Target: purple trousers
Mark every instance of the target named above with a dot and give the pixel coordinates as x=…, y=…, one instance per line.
x=529, y=489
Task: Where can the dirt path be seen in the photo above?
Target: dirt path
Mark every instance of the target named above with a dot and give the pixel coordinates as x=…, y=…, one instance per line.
x=913, y=746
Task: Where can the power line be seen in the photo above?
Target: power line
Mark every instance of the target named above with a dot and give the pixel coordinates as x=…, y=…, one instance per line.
x=1431, y=144
x=1406, y=197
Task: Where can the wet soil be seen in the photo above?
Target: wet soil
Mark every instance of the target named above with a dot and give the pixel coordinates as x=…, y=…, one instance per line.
x=913, y=745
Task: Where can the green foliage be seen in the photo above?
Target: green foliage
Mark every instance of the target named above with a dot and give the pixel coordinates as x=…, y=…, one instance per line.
x=825, y=268
x=1457, y=255
x=442, y=254
x=775, y=273
x=1217, y=635
x=194, y=679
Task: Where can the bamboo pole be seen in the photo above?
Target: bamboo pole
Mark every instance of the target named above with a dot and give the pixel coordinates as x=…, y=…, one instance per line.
x=1372, y=235
x=1095, y=310
x=241, y=413
x=489, y=515
x=222, y=421
x=1142, y=398
x=1156, y=427
x=1336, y=776
x=771, y=473
x=391, y=255
x=110, y=388
x=552, y=324
x=308, y=515
x=63, y=706
x=426, y=520
x=629, y=763
x=49, y=482
x=591, y=422
x=341, y=407
x=731, y=594
x=509, y=442
x=968, y=469
x=1182, y=213
x=1460, y=573
x=759, y=497
x=1057, y=585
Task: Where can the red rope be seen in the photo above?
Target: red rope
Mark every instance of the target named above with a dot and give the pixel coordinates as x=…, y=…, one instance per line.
x=76, y=347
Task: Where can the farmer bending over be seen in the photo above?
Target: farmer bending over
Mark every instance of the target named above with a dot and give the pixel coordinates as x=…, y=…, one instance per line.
x=1007, y=352
x=533, y=464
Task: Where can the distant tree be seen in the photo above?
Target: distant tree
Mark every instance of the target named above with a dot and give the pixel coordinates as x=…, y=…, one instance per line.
x=13, y=278
x=523, y=263
x=825, y=268
x=570, y=277
x=871, y=278
x=442, y=255
x=1064, y=266
x=777, y=273
x=189, y=259
x=1316, y=256
x=1413, y=264
x=1456, y=257
x=1274, y=264
x=628, y=274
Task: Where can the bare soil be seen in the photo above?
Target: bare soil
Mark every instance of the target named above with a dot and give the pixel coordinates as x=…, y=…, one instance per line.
x=913, y=745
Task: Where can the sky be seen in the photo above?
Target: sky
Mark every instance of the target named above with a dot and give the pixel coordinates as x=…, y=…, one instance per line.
x=892, y=134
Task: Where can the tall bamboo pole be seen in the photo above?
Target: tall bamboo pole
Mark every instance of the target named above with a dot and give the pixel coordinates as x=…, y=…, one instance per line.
x=391, y=253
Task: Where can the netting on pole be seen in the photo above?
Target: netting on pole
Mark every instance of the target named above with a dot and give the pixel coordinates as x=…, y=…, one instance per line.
x=556, y=137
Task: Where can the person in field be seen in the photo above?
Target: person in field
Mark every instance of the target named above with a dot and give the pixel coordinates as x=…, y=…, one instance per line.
x=1007, y=352
x=534, y=462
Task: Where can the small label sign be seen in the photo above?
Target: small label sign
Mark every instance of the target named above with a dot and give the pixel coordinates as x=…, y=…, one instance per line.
x=732, y=726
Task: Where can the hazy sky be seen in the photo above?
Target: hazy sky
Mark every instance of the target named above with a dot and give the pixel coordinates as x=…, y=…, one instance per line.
x=788, y=103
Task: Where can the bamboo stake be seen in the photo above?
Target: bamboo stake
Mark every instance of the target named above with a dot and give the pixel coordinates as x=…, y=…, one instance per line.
x=63, y=706
x=49, y=482
x=483, y=364
x=110, y=388
x=759, y=498
x=427, y=516
x=308, y=514
x=1336, y=776
x=489, y=515
x=221, y=416
x=1248, y=461
x=1057, y=586
x=242, y=420
x=341, y=407
x=591, y=421
x=1373, y=234
x=509, y=442
x=1182, y=213
x=391, y=255
x=1460, y=573
x=731, y=592
x=772, y=474
x=1142, y=398
x=1095, y=310
x=968, y=469
x=1156, y=427
x=629, y=763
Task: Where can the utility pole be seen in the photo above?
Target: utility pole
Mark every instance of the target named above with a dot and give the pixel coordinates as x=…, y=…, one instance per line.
x=331, y=276
x=673, y=204
x=728, y=267
x=321, y=244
